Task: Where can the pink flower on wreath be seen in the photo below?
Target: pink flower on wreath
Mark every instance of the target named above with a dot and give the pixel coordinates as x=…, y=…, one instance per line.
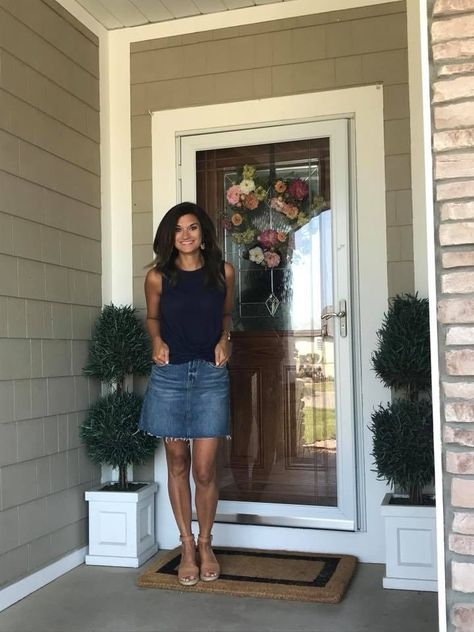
x=298, y=189
x=268, y=238
x=233, y=194
x=280, y=186
x=272, y=259
x=281, y=236
x=251, y=201
x=236, y=219
x=291, y=211
x=278, y=204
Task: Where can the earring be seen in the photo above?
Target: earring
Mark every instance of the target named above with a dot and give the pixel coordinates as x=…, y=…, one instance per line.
x=203, y=245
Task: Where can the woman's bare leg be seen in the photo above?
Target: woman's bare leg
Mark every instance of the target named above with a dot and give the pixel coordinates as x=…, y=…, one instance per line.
x=204, y=467
x=205, y=477
x=178, y=458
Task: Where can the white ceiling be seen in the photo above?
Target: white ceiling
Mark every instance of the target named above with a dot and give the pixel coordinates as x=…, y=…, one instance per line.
x=116, y=14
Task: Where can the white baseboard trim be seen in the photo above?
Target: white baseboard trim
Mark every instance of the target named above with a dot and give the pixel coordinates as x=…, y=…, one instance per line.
x=24, y=587
x=426, y=585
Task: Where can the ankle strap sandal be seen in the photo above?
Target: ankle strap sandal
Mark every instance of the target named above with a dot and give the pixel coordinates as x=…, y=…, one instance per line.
x=188, y=572
x=210, y=569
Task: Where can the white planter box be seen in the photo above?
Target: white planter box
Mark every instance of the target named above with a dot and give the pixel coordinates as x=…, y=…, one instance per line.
x=121, y=526
x=410, y=546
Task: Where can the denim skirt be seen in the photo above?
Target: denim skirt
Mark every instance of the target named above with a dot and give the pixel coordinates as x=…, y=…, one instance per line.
x=186, y=401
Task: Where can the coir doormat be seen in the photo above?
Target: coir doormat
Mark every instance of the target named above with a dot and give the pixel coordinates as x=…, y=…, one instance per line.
x=289, y=575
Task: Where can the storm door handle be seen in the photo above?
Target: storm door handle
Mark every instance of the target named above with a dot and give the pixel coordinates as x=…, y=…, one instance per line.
x=342, y=315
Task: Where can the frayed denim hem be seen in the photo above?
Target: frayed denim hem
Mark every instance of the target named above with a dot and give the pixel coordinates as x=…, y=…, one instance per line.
x=186, y=439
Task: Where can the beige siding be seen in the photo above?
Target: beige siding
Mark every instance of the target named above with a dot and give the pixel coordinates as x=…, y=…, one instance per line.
x=321, y=52
x=50, y=267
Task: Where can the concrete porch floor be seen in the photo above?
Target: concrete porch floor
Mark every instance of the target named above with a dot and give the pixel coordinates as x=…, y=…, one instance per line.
x=106, y=599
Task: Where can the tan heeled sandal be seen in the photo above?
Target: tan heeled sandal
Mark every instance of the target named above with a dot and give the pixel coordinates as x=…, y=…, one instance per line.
x=188, y=572
x=210, y=569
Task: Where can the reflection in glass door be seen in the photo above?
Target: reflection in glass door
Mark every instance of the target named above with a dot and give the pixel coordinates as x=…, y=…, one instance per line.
x=275, y=219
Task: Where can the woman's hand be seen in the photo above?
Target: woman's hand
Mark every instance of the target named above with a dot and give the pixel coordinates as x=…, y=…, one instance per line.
x=222, y=352
x=161, y=352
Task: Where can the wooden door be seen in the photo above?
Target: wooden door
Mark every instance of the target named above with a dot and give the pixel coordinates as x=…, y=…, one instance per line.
x=283, y=447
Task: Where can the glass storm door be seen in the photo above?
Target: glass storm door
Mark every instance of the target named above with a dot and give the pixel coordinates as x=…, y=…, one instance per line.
x=280, y=199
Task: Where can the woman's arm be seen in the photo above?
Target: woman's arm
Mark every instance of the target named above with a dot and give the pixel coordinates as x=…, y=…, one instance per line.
x=153, y=283
x=223, y=348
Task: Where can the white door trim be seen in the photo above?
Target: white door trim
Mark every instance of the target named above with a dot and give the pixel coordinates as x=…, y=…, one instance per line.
x=365, y=106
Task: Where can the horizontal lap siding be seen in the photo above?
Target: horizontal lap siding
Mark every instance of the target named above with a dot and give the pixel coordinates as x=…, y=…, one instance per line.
x=50, y=278
x=321, y=52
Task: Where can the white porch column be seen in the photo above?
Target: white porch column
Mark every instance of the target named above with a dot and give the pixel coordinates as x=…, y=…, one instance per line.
x=424, y=243
x=116, y=170
x=419, y=133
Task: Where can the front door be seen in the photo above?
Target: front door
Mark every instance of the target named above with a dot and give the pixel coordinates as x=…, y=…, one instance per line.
x=279, y=196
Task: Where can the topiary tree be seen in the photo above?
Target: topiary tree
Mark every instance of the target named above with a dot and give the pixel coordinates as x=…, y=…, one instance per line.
x=119, y=347
x=403, y=430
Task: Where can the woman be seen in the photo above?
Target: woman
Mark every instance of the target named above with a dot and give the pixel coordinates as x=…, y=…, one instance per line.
x=189, y=294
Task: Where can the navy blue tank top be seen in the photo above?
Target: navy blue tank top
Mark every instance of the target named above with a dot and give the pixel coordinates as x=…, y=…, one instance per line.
x=191, y=317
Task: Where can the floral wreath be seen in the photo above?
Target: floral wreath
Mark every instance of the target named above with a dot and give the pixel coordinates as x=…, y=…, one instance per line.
x=289, y=197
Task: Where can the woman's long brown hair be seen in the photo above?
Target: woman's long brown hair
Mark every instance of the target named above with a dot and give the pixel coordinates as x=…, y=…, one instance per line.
x=166, y=253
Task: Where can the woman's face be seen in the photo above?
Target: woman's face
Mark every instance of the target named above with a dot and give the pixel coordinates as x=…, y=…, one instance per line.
x=188, y=235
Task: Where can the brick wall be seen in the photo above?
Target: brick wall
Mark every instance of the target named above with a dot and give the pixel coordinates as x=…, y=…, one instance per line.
x=452, y=44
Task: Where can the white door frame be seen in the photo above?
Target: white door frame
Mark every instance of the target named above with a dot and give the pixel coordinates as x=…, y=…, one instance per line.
x=365, y=106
